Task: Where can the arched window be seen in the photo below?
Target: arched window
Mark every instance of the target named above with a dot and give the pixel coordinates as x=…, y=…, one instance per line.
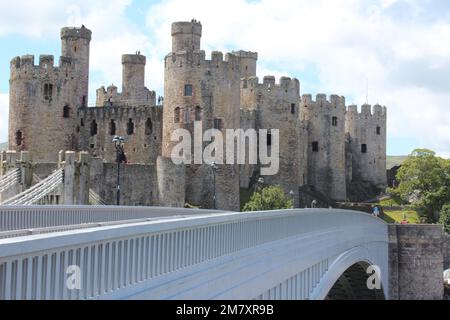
x=130, y=127
x=19, y=138
x=112, y=128
x=66, y=112
x=177, y=115
x=198, y=113
x=94, y=128
x=148, y=127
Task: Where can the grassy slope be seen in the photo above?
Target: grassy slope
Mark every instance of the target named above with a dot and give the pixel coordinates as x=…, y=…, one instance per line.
x=397, y=216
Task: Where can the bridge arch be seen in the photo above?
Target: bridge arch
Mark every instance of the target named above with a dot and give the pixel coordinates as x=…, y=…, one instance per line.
x=347, y=276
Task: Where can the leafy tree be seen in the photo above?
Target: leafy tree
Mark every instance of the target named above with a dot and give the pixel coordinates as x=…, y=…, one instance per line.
x=445, y=217
x=273, y=198
x=424, y=181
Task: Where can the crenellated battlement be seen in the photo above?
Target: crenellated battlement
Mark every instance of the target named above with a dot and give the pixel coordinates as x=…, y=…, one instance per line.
x=197, y=58
x=121, y=112
x=367, y=110
x=322, y=101
x=25, y=67
x=285, y=85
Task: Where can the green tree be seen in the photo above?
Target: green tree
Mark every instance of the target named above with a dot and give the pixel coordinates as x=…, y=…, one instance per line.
x=273, y=198
x=424, y=181
x=445, y=217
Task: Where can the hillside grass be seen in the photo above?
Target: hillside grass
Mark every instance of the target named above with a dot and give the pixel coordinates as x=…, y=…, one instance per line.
x=397, y=216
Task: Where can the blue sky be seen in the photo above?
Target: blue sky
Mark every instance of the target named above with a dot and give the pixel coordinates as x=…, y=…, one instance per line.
x=332, y=46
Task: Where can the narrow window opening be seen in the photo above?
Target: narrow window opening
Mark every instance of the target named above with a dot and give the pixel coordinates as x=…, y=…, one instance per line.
x=335, y=121
x=378, y=130
x=82, y=122
x=19, y=138
x=364, y=148
x=130, y=127
x=315, y=146
x=293, y=108
x=83, y=102
x=94, y=128
x=66, y=112
x=112, y=128
x=148, y=127
x=218, y=124
x=177, y=115
x=188, y=90
x=48, y=91
x=198, y=113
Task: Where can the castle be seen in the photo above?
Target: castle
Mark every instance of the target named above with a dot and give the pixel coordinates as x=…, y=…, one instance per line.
x=323, y=143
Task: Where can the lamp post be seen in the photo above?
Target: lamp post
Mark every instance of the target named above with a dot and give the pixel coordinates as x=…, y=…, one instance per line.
x=214, y=168
x=118, y=143
x=261, y=185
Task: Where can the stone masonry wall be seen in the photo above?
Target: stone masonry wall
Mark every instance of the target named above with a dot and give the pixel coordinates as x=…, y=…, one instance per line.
x=416, y=262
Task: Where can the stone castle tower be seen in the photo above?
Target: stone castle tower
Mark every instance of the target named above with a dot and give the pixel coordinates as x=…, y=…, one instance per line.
x=326, y=143
x=323, y=145
x=44, y=98
x=206, y=92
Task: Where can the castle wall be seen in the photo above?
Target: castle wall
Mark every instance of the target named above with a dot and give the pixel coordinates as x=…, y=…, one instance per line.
x=368, y=128
x=138, y=183
x=143, y=146
x=326, y=149
x=277, y=107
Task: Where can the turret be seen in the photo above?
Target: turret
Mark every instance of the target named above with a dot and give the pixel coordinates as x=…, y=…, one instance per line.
x=75, y=45
x=133, y=77
x=248, y=62
x=186, y=36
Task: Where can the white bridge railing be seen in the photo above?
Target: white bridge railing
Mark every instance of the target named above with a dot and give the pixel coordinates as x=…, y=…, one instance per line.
x=206, y=257
x=38, y=192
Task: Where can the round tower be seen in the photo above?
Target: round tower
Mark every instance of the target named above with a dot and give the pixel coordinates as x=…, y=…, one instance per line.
x=133, y=77
x=186, y=36
x=75, y=44
x=202, y=94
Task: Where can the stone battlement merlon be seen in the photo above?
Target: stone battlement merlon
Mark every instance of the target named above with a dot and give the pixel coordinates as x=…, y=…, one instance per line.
x=368, y=110
x=321, y=98
x=76, y=33
x=198, y=58
x=27, y=62
x=269, y=82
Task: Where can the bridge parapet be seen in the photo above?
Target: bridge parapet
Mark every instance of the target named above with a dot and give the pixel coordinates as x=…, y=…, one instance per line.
x=213, y=256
